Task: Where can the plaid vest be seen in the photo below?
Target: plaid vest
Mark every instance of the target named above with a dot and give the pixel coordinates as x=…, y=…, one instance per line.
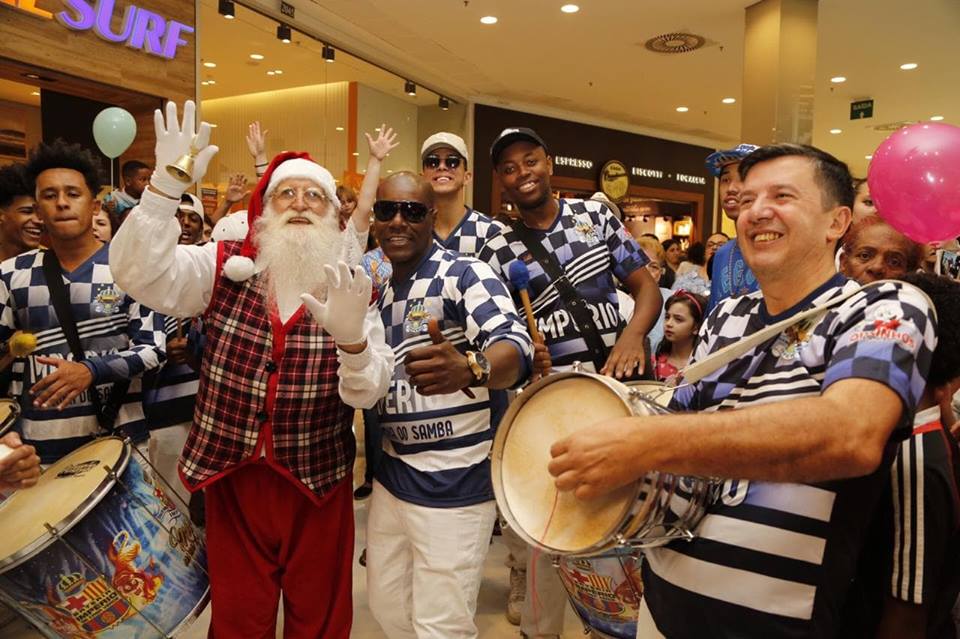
x=266, y=389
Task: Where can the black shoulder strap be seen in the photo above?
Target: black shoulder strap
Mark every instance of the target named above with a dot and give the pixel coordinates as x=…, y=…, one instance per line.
x=60, y=298
x=574, y=303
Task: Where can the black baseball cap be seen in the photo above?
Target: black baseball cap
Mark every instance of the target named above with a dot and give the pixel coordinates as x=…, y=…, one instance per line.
x=509, y=136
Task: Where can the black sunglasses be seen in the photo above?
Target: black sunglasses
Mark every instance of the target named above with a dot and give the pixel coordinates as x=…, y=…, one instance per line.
x=413, y=212
x=434, y=161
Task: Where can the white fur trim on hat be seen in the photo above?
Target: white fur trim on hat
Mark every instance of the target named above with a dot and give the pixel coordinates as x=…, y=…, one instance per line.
x=305, y=169
x=239, y=268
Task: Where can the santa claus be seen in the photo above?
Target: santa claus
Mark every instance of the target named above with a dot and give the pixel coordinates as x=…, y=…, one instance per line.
x=271, y=440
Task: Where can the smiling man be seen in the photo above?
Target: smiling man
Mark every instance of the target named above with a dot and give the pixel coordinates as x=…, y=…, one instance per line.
x=20, y=225
x=120, y=338
x=804, y=425
x=432, y=508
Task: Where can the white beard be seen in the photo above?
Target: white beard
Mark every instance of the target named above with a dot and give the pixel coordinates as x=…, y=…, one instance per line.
x=292, y=256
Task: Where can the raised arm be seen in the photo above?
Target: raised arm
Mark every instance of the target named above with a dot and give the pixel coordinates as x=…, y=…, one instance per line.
x=145, y=258
x=257, y=145
x=236, y=191
x=380, y=146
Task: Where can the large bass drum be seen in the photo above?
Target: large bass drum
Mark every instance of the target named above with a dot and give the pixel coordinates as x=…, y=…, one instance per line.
x=651, y=512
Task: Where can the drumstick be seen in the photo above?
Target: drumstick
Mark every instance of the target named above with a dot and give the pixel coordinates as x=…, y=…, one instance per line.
x=179, y=328
x=520, y=278
x=433, y=327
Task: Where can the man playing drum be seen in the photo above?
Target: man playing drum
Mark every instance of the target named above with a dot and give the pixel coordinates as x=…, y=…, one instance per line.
x=19, y=464
x=804, y=425
x=271, y=440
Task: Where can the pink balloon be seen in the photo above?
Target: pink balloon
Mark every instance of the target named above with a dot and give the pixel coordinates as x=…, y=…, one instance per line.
x=914, y=180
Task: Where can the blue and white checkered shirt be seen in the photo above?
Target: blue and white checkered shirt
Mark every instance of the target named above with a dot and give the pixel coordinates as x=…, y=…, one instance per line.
x=471, y=234
x=436, y=448
x=592, y=247
x=121, y=339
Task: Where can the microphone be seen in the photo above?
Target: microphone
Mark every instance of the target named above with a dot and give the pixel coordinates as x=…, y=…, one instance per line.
x=520, y=278
x=20, y=344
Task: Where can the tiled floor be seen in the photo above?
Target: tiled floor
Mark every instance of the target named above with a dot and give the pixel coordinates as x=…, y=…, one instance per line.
x=490, y=618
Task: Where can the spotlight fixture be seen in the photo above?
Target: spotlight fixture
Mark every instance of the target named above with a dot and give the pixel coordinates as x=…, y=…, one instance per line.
x=909, y=66
x=226, y=9
x=836, y=131
x=284, y=33
x=329, y=54
x=444, y=103
x=409, y=88
x=488, y=19
x=210, y=65
x=682, y=109
x=569, y=8
x=729, y=100
x=838, y=79
x=256, y=56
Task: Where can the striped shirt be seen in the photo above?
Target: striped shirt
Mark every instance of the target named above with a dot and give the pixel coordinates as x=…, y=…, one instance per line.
x=170, y=392
x=436, y=449
x=776, y=559
x=121, y=339
x=592, y=247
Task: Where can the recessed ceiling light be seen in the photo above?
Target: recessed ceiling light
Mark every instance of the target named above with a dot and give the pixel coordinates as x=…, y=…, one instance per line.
x=34, y=93
x=488, y=19
x=271, y=73
x=836, y=131
x=256, y=56
x=278, y=71
x=356, y=153
x=569, y=8
x=682, y=109
x=339, y=128
x=211, y=81
x=203, y=83
x=212, y=126
x=729, y=100
x=868, y=157
x=210, y=65
x=838, y=79
x=936, y=118
x=32, y=76
x=389, y=170
x=909, y=66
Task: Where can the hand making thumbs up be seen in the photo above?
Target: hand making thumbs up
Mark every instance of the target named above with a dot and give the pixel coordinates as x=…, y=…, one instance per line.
x=440, y=368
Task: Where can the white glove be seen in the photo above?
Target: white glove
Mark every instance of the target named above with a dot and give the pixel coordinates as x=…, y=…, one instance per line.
x=173, y=141
x=348, y=297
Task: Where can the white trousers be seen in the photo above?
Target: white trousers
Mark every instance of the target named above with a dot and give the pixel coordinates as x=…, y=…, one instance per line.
x=424, y=566
x=166, y=445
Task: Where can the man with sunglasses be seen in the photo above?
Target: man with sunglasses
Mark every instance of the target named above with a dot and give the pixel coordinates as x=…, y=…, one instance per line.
x=456, y=335
x=582, y=243
x=271, y=441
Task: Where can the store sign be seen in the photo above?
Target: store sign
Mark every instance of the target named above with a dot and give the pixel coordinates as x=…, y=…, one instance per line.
x=140, y=28
x=614, y=181
x=861, y=109
x=575, y=163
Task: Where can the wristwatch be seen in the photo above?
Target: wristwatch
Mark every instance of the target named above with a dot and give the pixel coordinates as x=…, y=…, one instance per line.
x=479, y=366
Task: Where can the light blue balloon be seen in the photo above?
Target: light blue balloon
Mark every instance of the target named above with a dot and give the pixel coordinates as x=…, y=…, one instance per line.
x=114, y=130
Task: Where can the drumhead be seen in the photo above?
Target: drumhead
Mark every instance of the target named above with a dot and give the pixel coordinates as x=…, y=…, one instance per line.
x=66, y=492
x=549, y=410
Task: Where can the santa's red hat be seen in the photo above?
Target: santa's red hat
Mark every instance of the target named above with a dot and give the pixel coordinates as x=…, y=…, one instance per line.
x=285, y=166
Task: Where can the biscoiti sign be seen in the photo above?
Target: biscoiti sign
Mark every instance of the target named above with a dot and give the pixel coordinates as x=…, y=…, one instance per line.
x=139, y=28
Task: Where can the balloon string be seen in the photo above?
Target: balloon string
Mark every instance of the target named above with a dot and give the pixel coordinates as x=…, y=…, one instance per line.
x=536, y=556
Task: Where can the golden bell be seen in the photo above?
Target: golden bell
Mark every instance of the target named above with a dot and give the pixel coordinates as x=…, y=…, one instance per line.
x=182, y=169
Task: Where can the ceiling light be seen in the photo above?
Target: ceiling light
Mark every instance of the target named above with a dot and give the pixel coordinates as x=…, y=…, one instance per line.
x=271, y=73
x=328, y=53
x=838, y=79
x=909, y=66
x=256, y=56
x=210, y=65
x=443, y=103
x=226, y=9
x=203, y=83
x=868, y=157
x=278, y=71
x=339, y=128
x=212, y=126
x=836, y=131
x=211, y=81
x=32, y=76
x=34, y=93
x=569, y=8
x=283, y=33
x=488, y=19
x=936, y=118
x=729, y=100
x=409, y=88
x=356, y=153
x=682, y=109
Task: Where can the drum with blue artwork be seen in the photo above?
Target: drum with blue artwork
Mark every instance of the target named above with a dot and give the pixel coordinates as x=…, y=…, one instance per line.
x=96, y=550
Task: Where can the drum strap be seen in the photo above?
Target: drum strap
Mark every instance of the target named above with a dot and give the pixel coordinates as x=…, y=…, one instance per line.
x=60, y=298
x=574, y=303
x=698, y=370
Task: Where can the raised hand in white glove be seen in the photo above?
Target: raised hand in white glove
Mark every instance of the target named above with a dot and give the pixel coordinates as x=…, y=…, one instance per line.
x=348, y=297
x=175, y=140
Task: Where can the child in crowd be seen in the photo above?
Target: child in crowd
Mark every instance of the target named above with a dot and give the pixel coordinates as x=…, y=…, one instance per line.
x=681, y=324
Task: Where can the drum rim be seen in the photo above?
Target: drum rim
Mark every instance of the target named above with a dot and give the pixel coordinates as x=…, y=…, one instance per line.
x=11, y=419
x=66, y=524
x=496, y=465
x=194, y=614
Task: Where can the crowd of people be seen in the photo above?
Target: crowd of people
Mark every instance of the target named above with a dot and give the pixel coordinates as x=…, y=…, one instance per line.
x=233, y=348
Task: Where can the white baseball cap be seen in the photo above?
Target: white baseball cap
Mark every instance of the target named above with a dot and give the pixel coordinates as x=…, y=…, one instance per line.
x=444, y=140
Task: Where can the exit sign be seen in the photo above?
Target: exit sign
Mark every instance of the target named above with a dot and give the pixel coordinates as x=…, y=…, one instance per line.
x=861, y=109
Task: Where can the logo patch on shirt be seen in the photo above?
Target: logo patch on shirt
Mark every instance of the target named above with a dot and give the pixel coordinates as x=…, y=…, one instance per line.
x=416, y=319
x=108, y=300
x=793, y=340
x=885, y=323
x=588, y=232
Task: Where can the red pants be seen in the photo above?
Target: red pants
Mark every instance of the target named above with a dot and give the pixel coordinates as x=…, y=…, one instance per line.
x=264, y=537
